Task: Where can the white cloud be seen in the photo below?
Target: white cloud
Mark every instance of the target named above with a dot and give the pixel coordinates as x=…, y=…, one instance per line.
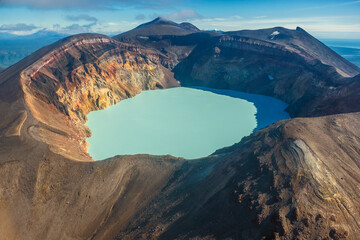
x=113, y=28
x=86, y=4
x=140, y=17
x=20, y=27
x=183, y=15
x=324, y=6
x=259, y=17
x=113, y=23
x=73, y=28
x=81, y=17
x=330, y=26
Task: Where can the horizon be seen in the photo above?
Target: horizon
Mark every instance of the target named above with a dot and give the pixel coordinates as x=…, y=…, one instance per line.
x=112, y=34
x=332, y=19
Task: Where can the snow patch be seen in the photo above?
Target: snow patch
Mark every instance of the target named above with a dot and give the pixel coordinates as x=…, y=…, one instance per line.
x=274, y=34
x=143, y=37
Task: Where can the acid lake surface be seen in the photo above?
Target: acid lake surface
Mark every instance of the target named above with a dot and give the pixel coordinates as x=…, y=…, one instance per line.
x=183, y=122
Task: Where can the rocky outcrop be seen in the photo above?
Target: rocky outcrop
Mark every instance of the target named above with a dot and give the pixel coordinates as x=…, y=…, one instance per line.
x=257, y=66
x=85, y=73
x=93, y=72
x=304, y=44
x=282, y=63
x=176, y=41
x=280, y=183
x=49, y=197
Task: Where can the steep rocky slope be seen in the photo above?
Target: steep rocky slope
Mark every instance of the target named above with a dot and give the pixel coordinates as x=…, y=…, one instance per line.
x=303, y=43
x=287, y=64
x=159, y=26
x=281, y=182
x=176, y=41
x=296, y=179
x=73, y=77
x=257, y=66
x=49, y=197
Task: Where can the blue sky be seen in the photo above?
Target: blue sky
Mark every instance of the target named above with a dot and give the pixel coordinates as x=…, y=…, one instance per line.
x=324, y=19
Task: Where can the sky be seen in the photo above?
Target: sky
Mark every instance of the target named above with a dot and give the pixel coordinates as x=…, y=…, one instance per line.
x=334, y=19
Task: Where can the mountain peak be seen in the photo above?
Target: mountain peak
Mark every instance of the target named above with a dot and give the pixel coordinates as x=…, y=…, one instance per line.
x=300, y=29
x=162, y=20
x=189, y=26
x=159, y=26
x=183, y=25
x=158, y=20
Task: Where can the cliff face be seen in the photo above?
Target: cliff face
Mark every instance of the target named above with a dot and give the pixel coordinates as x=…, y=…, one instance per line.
x=257, y=66
x=296, y=179
x=282, y=182
x=287, y=64
x=86, y=73
x=303, y=43
x=176, y=41
x=91, y=73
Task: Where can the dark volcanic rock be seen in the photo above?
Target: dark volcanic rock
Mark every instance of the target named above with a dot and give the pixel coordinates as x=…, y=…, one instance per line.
x=257, y=66
x=281, y=181
x=287, y=64
x=174, y=40
x=304, y=44
x=159, y=26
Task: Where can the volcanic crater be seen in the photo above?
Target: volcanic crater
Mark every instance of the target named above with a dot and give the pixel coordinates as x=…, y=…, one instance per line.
x=296, y=179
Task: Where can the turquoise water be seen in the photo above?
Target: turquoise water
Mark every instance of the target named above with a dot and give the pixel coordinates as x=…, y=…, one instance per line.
x=269, y=109
x=183, y=122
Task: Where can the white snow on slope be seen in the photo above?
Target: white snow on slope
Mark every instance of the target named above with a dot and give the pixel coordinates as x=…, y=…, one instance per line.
x=274, y=34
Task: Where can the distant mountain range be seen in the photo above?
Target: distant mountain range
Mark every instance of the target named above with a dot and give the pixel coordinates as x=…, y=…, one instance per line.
x=13, y=47
x=37, y=35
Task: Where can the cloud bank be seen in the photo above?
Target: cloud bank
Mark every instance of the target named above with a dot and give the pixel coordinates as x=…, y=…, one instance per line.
x=20, y=27
x=85, y=4
x=81, y=17
x=73, y=28
x=183, y=15
x=140, y=17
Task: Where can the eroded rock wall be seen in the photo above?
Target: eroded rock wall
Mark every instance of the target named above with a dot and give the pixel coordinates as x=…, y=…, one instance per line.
x=87, y=73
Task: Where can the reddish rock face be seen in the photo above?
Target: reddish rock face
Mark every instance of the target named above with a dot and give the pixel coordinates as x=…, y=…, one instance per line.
x=82, y=74
x=296, y=179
